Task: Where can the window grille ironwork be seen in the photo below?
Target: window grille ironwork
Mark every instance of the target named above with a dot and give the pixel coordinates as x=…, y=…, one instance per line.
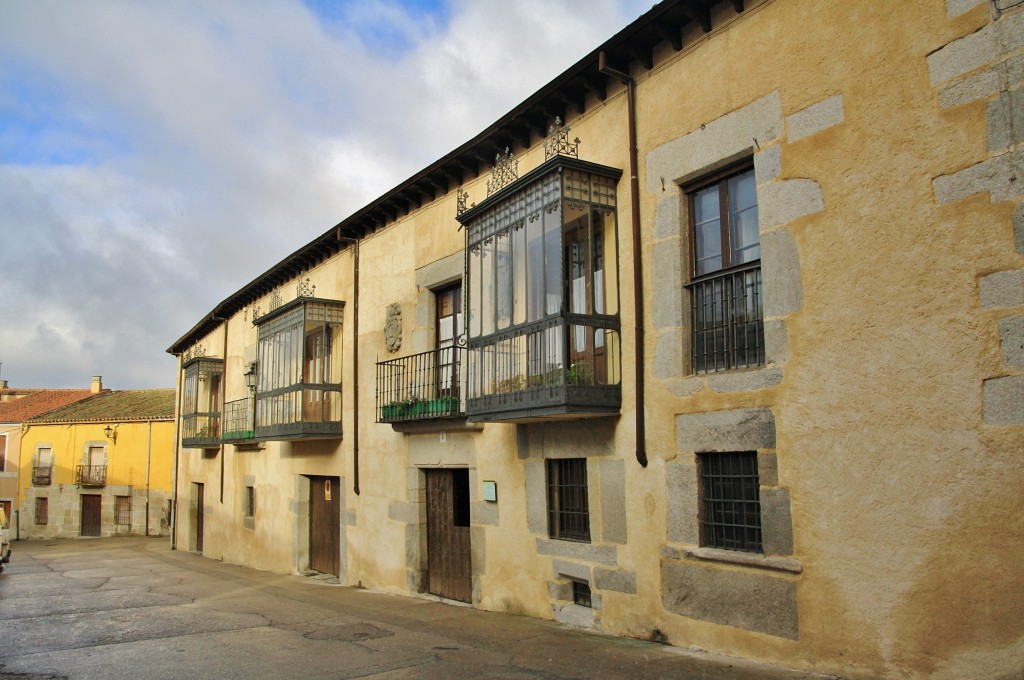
x=568, y=505
x=730, y=501
x=727, y=320
x=581, y=593
x=42, y=514
x=123, y=510
x=506, y=171
x=557, y=142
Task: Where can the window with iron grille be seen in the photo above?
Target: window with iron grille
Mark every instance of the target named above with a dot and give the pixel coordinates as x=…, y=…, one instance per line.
x=123, y=510
x=726, y=291
x=581, y=594
x=568, y=509
x=249, y=502
x=730, y=501
x=42, y=511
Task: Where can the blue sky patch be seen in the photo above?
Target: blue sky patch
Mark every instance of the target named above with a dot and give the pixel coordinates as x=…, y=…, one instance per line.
x=41, y=125
x=388, y=40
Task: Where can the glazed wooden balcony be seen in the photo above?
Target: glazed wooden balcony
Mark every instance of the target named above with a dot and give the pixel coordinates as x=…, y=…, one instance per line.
x=200, y=430
x=420, y=387
x=302, y=411
x=91, y=475
x=533, y=373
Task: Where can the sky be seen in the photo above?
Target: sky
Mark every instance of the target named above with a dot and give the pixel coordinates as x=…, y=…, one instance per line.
x=157, y=156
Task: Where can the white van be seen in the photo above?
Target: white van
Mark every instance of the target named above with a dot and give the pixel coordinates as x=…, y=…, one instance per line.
x=5, y=539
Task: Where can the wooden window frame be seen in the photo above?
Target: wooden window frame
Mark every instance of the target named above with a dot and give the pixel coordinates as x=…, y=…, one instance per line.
x=721, y=178
x=727, y=305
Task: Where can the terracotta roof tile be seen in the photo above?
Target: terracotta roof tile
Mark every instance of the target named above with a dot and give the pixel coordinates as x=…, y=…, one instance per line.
x=36, y=402
x=123, y=405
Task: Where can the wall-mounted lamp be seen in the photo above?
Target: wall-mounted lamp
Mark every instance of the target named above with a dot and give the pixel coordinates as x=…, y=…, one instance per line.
x=111, y=432
x=250, y=377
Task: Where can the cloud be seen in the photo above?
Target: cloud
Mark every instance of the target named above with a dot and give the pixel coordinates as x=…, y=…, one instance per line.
x=155, y=157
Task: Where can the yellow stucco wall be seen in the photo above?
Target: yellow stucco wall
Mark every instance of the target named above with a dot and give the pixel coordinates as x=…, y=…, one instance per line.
x=139, y=464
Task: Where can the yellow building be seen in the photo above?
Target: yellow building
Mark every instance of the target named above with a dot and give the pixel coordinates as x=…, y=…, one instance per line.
x=16, y=406
x=99, y=467
x=724, y=349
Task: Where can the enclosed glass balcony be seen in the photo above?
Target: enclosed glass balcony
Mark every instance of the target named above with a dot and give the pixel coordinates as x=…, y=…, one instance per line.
x=542, y=296
x=298, y=382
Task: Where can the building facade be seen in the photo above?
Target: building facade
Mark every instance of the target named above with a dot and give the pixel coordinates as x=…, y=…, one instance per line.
x=723, y=349
x=16, y=406
x=99, y=467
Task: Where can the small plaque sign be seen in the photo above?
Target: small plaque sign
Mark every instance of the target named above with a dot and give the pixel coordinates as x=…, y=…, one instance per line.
x=491, y=491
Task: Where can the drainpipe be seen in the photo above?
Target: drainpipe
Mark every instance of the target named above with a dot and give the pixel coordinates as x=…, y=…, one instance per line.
x=174, y=472
x=638, y=289
x=223, y=449
x=355, y=358
x=149, y=451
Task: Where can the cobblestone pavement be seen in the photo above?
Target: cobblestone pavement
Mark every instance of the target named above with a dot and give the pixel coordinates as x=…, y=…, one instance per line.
x=132, y=608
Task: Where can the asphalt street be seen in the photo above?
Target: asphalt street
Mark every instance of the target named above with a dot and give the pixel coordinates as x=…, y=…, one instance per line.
x=132, y=608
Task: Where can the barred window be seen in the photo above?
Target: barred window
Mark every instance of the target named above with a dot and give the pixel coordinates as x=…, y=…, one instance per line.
x=568, y=508
x=581, y=594
x=123, y=510
x=726, y=290
x=730, y=501
x=42, y=511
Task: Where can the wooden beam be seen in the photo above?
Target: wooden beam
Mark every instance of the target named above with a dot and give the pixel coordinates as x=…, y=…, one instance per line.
x=670, y=33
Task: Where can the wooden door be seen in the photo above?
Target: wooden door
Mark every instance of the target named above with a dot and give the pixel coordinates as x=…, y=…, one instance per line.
x=200, y=504
x=91, y=506
x=448, y=544
x=325, y=525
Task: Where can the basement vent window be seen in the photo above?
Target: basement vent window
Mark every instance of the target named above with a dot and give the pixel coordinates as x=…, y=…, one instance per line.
x=581, y=593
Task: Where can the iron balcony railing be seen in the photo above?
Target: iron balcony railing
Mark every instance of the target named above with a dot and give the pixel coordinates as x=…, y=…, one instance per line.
x=300, y=411
x=728, y=326
x=91, y=475
x=422, y=386
x=238, y=420
x=42, y=476
x=560, y=367
x=200, y=430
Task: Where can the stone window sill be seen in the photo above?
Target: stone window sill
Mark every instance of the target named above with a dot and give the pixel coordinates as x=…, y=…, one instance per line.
x=745, y=559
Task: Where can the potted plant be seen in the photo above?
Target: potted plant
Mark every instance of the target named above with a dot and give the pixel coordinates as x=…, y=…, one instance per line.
x=513, y=383
x=393, y=410
x=414, y=406
x=580, y=372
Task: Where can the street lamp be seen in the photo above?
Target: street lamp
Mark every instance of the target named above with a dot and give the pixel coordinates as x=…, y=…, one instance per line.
x=250, y=377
